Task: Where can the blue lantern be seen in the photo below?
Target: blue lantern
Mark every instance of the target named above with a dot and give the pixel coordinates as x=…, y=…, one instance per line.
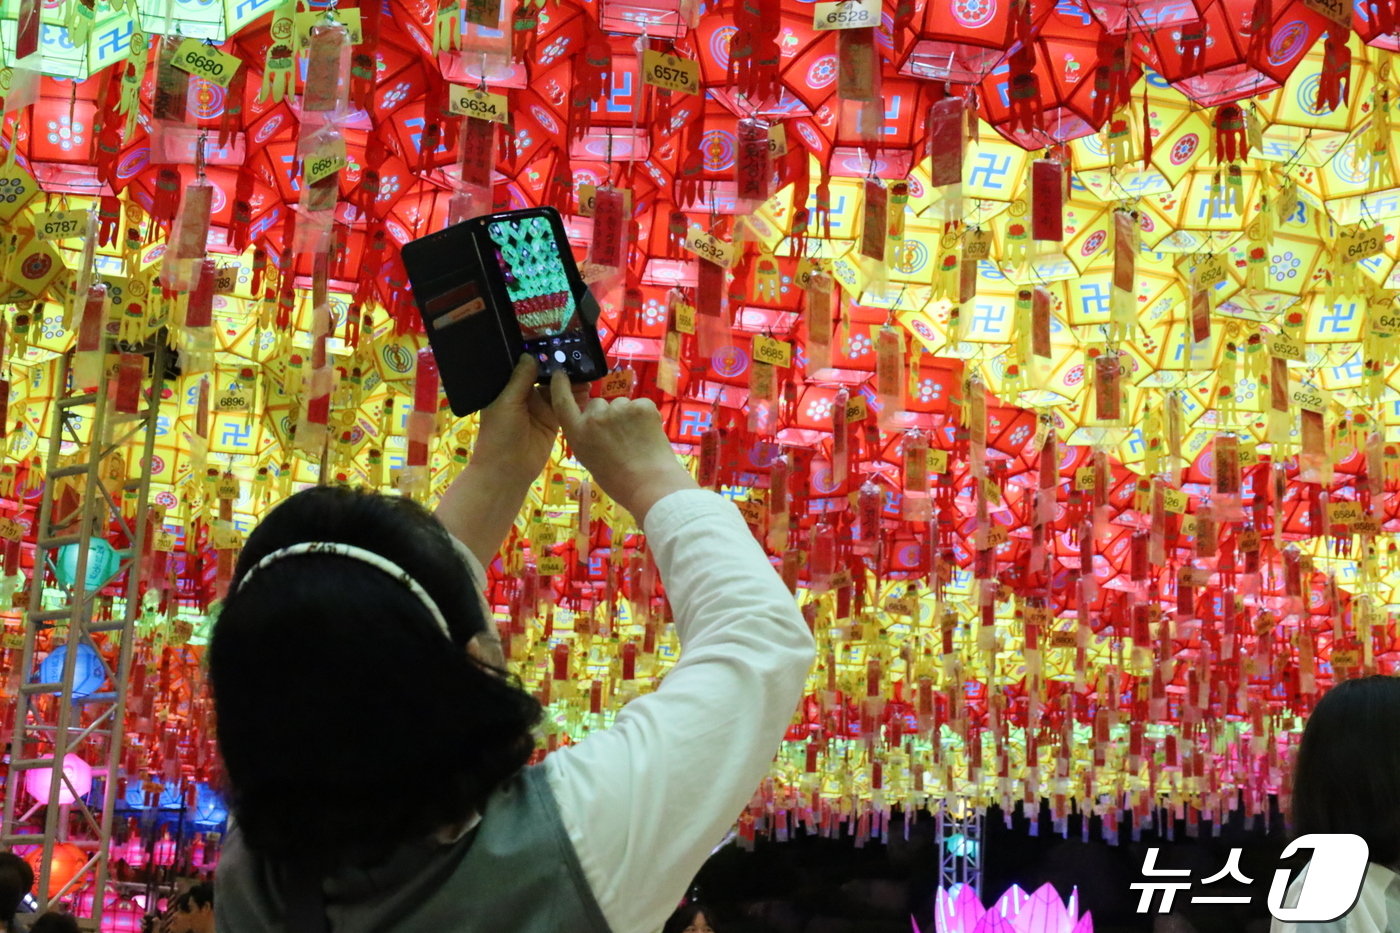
x=102, y=562
x=170, y=798
x=89, y=673
x=210, y=811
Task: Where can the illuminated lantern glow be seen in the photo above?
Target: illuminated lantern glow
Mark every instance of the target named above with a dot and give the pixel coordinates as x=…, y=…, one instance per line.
x=89, y=671
x=102, y=562
x=958, y=910
x=78, y=784
x=67, y=861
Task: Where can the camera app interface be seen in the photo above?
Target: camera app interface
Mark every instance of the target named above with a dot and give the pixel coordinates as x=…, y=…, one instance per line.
x=540, y=295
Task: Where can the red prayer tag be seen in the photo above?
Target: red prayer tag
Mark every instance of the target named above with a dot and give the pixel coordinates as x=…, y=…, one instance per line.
x=1047, y=200
x=872, y=234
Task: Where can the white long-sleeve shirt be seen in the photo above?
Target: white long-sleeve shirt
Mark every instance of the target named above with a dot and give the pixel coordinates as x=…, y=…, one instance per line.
x=646, y=801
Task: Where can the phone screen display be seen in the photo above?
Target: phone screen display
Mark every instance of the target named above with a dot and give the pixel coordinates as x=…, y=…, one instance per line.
x=537, y=283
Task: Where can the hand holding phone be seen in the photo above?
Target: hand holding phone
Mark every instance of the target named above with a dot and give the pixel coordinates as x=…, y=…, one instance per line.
x=498, y=286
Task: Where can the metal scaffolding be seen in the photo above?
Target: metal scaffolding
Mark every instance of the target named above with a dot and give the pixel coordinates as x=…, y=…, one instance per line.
x=50, y=722
x=960, y=846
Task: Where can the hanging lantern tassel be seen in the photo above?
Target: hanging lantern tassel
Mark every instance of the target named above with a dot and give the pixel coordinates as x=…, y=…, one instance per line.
x=1334, y=83
x=858, y=65
x=889, y=374
x=592, y=63
x=1261, y=30
x=1231, y=140
x=1025, y=89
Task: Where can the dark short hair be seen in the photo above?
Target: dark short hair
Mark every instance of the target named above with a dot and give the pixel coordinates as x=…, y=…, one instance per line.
x=321, y=658
x=54, y=922
x=686, y=914
x=1347, y=777
x=16, y=878
x=199, y=895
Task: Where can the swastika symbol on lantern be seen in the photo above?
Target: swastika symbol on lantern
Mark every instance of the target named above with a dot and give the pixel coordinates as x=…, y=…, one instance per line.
x=974, y=14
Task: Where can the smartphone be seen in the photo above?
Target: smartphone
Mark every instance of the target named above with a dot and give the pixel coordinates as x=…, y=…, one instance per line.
x=494, y=287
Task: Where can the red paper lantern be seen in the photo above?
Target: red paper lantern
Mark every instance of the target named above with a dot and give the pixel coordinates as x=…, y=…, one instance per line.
x=67, y=861
x=961, y=41
x=1225, y=57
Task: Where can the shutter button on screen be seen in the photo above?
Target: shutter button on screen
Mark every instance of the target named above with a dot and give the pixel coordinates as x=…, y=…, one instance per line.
x=559, y=355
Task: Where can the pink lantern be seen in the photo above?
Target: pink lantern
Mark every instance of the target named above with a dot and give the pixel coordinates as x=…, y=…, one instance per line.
x=78, y=772
x=165, y=850
x=959, y=910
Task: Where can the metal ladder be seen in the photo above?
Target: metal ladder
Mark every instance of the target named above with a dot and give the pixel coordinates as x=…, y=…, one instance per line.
x=57, y=725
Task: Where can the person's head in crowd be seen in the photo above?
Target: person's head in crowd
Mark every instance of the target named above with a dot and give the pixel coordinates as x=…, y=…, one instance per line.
x=1347, y=776
x=692, y=917
x=54, y=922
x=313, y=652
x=16, y=878
x=193, y=911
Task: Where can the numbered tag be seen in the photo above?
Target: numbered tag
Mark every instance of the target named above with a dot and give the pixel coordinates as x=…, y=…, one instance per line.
x=856, y=410
x=752, y=510
x=235, y=398
x=1059, y=639
x=1175, y=501
x=588, y=199
x=777, y=145
x=1249, y=455
x=164, y=542
x=1249, y=540
x=708, y=246
x=997, y=535
x=618, y=383
x=1366, y=526
x=685, y=317
x=60, y=225
x=205, y=61
x=847, y=14
x=349, y=18
x=226, y=537
x=1285, y=347
x=484, y=105
x=227, y=488
x=670, y=72
x=225, y=279
x=773, y=352
x=1385, y=317
x=1356, y=245
x=978, y=245
x=11, y=530
x=14, y=641
x=1343, y=513
x=1084, y=479
x=550, y=566
x=1308, y=397
x=937, y=460
x=324, y=162
x=1338, y=11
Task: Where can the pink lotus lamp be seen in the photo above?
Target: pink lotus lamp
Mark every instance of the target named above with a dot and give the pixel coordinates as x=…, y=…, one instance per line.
x=959, y=910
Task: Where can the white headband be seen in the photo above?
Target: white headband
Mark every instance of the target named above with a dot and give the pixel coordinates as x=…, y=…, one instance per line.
x=377, y=561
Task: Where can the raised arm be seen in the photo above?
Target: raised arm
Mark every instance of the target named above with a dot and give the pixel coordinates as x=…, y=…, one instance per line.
x=517, y=435
x=646, y=801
